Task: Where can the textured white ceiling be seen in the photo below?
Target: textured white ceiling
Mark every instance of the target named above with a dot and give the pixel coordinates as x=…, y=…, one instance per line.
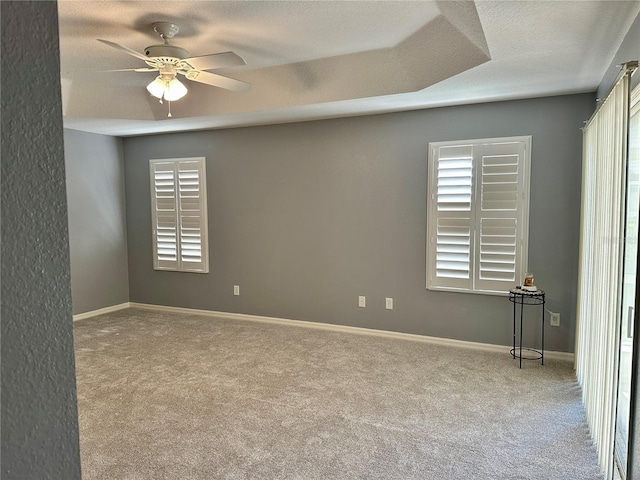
x=318, y=59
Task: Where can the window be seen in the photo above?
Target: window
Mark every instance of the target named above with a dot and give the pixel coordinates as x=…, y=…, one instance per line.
x=179, y=214
x=478, y=214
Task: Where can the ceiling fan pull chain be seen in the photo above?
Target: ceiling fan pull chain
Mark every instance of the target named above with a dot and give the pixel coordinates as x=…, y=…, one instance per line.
x=169, y=111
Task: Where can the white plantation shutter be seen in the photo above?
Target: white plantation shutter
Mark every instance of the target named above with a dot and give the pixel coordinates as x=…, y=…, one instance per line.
x=503, y=215
x=454, y=216
x=164, y=216
x=477, y=214
x=192, y=221
x=178, y=201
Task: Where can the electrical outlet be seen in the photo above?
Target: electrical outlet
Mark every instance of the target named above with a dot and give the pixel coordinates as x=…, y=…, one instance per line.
x=236, y=289
x=388, y=303
x=554, y=319
x=362, y=301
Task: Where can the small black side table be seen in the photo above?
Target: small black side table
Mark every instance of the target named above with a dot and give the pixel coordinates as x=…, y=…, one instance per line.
x=521, y=297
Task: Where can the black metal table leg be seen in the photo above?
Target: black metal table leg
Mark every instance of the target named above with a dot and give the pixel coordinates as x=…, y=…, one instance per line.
x=542, y=349
x=521, y=313
x=513, y=352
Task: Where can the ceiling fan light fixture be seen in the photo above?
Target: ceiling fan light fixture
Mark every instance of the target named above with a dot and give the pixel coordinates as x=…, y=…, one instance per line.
x=175, y=90
x=170, y=90
x=157, y=87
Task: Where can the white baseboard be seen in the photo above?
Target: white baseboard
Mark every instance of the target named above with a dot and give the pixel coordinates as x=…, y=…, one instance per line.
x=487, y=347
x=100, y=311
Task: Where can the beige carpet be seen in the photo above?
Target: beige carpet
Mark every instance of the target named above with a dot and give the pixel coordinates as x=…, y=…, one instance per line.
x=166, y=396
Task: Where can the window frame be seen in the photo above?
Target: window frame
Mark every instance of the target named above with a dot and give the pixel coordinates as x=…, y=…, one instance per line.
x=179, y=264
x=474, y=283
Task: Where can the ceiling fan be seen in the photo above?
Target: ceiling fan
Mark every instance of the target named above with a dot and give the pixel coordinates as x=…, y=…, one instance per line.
x=171, y=61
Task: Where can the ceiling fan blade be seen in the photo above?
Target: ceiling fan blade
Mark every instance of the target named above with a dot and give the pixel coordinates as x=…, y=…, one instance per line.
x=218, y=80
x=215, y=60
x=132, y=70
x=124, y=49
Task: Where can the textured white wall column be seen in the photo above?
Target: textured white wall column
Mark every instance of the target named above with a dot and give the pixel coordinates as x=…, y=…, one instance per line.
x=39, y=410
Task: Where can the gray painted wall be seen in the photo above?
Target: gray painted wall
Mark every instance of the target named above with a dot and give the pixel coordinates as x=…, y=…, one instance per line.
x=305, y=217
x=97, y=223
x=39, y=414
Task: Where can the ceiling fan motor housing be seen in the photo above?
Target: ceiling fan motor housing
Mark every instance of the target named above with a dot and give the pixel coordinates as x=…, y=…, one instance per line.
x=166, y=50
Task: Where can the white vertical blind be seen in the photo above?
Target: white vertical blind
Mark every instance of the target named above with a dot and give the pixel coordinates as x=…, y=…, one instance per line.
x=599, y=283
x=179, y=214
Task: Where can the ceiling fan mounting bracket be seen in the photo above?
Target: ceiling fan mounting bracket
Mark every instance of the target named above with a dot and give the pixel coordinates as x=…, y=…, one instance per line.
x=166, y=30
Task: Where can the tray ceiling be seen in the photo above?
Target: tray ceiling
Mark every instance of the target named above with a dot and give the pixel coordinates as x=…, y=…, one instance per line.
x=319, y=59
